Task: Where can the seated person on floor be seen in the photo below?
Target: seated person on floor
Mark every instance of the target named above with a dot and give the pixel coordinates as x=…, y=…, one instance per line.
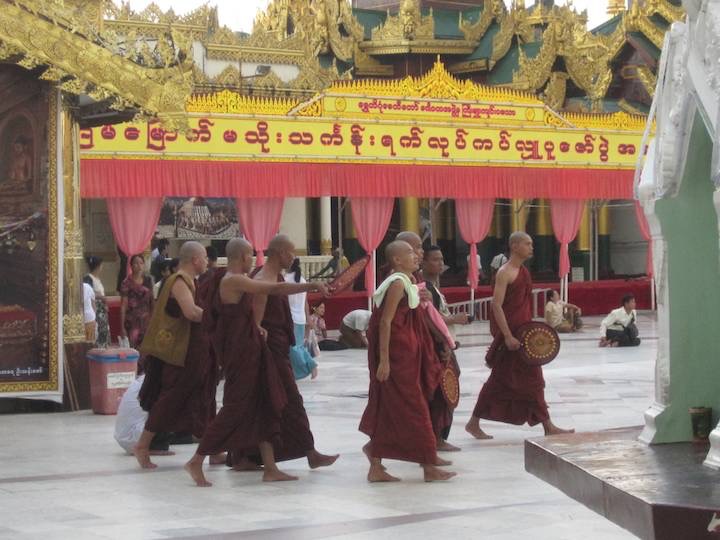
x=318, y=338
x=563, y=317
x=353, y=328
x=619, y=328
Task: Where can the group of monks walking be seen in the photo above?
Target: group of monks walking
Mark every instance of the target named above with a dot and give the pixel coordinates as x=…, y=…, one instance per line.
x=238, y=324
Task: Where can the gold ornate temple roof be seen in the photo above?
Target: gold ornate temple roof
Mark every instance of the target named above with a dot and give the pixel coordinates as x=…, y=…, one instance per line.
x=67, y=45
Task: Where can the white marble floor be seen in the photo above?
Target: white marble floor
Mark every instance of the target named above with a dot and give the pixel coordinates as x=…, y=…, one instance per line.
x=63, y=477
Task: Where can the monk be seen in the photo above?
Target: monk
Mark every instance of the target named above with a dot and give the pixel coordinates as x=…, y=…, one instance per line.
x=177, y=381
x=248, y=419
x=441, y=414
x=403, y=374
x=273, y=314
x=515, y=391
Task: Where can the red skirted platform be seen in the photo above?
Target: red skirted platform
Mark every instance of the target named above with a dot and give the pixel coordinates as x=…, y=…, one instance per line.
x=593, y=297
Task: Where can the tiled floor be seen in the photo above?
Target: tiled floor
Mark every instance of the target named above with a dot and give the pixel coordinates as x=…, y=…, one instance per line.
x=62, y=475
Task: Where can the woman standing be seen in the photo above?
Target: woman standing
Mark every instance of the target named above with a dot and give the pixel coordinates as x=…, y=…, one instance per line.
x=101, y=312
x=302, y=363
x=137, y=302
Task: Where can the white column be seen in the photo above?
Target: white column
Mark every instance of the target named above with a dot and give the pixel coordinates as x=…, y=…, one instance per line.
x=294, y=223
x=325, y=226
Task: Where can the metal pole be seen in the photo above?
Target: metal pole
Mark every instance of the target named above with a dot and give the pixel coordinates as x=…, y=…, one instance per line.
x=374, y=285
x=653, y=300
x=340, y=226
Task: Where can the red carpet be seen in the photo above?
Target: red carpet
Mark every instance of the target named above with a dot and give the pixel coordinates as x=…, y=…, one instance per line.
x=593, y=297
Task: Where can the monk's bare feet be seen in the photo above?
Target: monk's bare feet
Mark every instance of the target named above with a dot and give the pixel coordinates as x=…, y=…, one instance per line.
x=433, y=474
x=377, y=473
x=194, y=469
x=440, y=462
x=161, y=453
x=276, y=475
x=218, y=459
x=552, y=429
x=314, y=373
x=143, y=458
x=366, y=451
x=444, y=446
x=474, y=430
x=245, y=465
x=317, y=460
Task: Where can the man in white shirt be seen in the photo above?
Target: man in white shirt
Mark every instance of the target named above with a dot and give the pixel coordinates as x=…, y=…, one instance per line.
x=563, y=317
x=619, y=328
x=353, y=328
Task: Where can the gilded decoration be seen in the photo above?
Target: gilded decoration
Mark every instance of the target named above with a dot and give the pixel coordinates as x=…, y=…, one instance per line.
x=100, y=64
x=492, y=12
x=438, y=84
x=228, y=102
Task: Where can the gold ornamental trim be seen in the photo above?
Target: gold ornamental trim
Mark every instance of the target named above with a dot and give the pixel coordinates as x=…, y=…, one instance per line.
x=228, y=102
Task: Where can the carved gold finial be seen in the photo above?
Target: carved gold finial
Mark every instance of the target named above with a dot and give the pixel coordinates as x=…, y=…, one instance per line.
x=615, y=7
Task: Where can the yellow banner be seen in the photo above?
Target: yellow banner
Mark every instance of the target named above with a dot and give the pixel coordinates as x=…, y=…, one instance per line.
x=319, y=139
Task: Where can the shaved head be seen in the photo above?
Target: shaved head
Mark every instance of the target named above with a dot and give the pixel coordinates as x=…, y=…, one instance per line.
x=410, y=237
x=191, y=249
x=395, y=249
x=517, y=237
x=237, y=248
x=279, y=244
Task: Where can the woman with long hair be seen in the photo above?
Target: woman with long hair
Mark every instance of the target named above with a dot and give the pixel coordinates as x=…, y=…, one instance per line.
x=137, y=302
x=102, y=339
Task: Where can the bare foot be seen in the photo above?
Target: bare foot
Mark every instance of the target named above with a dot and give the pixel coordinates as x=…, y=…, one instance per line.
x=218, y=459
x=314, y=373
x=366, y=451
x=552, y=429
x=277, y=475
x=440, y=462
x=433, y=474
x=196, y=473
x=143, y=458
x=161, y=453
x=317, y=460
x=444, y=446
x=245, y=465
x=475, y=431
x=378, y=474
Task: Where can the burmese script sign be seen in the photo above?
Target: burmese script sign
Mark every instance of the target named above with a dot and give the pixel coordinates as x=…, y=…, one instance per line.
x=240, y=138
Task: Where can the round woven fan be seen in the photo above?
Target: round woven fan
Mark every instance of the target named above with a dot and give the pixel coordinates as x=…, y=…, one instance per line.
x=539, y=343
x=348, y=276
x=450, y=386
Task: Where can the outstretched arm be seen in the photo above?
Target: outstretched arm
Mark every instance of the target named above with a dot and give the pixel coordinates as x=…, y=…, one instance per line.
x=244, y=284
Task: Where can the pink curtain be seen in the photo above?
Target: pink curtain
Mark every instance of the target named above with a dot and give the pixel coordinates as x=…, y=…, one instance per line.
x=133, y=222
x=645, y=231
x=474, y=218
x=260, y=222
x=566, y=216
x=371, y=217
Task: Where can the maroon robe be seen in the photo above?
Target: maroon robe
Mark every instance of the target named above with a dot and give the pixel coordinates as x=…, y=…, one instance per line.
x=253, y=398
x=180, y=399
x=397, y=417
x=515, y=391
x=295, y=439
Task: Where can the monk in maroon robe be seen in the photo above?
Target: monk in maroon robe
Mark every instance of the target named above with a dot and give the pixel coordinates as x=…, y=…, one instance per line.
x=253, y=397
x=404, y=375
x=273, y=314
x=515, y=391
x=176, y=397
x=441, y=414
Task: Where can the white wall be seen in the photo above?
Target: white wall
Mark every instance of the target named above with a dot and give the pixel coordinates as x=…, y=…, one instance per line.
x=627, y=247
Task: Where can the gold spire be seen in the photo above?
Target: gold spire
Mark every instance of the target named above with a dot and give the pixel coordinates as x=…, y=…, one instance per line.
x=615, y=7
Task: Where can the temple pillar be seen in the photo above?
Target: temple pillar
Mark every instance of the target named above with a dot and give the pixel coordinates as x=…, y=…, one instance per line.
x=518, y=219
x=294, y=223
x=410, y=214
x=603, y=254
x=580, y=256
x=325, y=226
x=73, y=262
x=544, y=238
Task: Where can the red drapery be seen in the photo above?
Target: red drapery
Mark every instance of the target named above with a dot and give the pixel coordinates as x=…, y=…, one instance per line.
x=645, y=231
x=106, y=178
x=371, y=217
x=260, y=221
x=474, y=217
x=566, y=216
x=133, y=222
